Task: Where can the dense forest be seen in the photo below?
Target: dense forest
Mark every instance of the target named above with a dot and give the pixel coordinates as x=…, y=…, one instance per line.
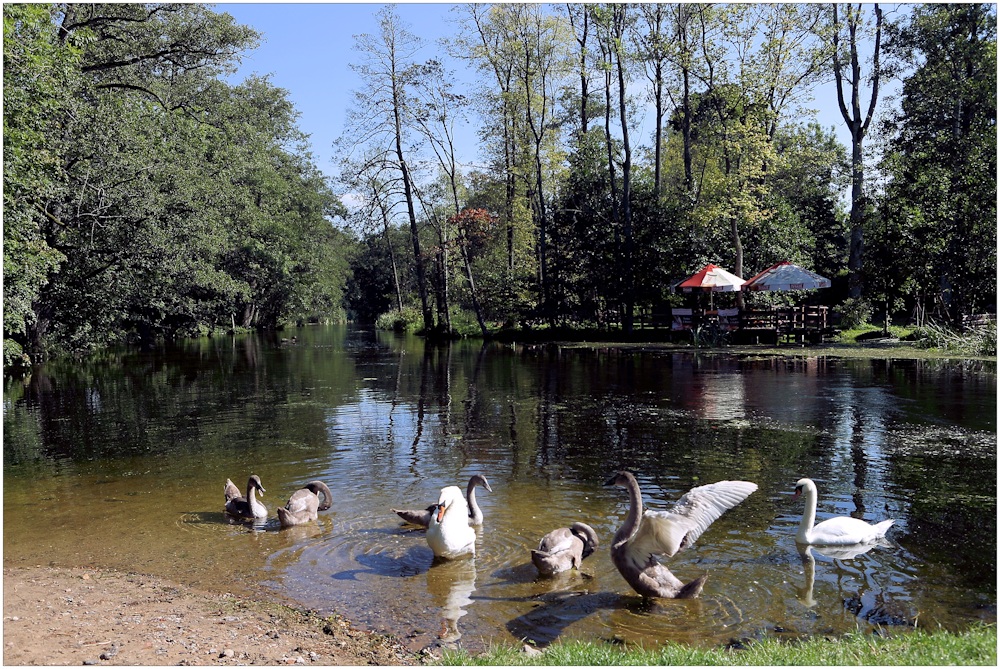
x=147, y=196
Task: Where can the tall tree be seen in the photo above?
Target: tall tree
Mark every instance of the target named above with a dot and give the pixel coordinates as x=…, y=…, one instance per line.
x=41, y=75
x=488, y=41
x=620, y=20
x=652, y=42
x=381, y=116
x=941, y=156
x=542, y=61
x=847, y=67
x=129, y=153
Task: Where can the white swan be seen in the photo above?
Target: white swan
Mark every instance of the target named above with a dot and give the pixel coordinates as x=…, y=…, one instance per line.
x=422, y=517
x=643, y=536
x=564, y=549
x=245, y=507
x=838, y=531
x=449, y=534
x=304, y=504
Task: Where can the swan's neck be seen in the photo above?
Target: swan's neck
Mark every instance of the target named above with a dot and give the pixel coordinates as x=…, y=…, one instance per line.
x=634, y=517
x=475, y=513
x=451, y=518
x=252, y=503
x=808, y=516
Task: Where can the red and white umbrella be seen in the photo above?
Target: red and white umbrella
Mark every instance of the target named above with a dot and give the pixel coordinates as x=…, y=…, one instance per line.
x=711, y=278
x=786, y=276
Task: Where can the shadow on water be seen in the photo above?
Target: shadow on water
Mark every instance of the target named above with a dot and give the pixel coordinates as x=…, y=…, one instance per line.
x=413, y=562
x=553, y=612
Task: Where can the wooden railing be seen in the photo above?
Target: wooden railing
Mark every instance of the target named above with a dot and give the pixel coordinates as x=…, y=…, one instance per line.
x=804, y=322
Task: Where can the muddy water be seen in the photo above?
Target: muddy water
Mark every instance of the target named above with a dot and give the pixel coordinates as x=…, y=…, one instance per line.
x=121, y=462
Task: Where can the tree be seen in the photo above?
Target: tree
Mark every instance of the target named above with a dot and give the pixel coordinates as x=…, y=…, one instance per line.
x=858, y=121
x=381, y=117
x=128, y=157
x=154, y=199
x=41, y=77
x=940, y=201
x=653, y=45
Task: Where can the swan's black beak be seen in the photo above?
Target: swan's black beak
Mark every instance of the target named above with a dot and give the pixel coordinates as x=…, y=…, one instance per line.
x=611, y=481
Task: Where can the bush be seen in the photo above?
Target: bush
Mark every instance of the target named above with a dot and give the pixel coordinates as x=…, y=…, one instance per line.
x=408, y=320
x=13, y=355
x=854, y=312
x=975, y=341
x=464, y=323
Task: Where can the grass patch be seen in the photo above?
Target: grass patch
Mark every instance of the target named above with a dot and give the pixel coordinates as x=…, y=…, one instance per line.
x=975, y=646
x=867, y=330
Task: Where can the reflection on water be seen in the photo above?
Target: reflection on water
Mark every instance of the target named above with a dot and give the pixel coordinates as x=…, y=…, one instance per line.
x=805, y=593
x=122, y=462
x=451, y=584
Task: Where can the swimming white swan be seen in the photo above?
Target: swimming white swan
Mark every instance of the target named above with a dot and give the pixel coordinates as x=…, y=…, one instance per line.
x=837, y=531
x=643, y=536
x=245, y=507
x=564, y=549
x=422, y=517
x=304, y=504
x=449, y=534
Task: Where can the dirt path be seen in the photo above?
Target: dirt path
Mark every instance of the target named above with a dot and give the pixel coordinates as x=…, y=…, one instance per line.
x=54, y=616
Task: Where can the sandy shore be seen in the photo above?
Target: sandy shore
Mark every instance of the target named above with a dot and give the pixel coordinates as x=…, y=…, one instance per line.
x=56, y=616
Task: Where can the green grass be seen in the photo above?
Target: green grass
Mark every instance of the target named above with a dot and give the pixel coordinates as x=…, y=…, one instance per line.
x=851, y=336
x=976, y=646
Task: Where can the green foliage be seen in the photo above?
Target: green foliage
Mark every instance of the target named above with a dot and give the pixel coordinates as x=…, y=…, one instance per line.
x=143, y=196
x=975, y=646
x=464, y=323
x=938, y=214
x=854, y=312
x=974, y=341
x=409, y=319
x=40, y=83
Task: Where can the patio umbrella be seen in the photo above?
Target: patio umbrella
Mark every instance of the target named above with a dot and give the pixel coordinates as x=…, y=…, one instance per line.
x=786, y=276
x=711, y=278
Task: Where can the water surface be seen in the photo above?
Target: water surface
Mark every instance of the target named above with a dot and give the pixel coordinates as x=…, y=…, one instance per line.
x=121, y=462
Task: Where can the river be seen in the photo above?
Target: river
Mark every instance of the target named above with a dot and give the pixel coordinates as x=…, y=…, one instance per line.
x=120, y=461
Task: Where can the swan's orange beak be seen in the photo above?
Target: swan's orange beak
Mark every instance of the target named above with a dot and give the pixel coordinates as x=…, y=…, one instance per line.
x=798, y=491
x=440, y=512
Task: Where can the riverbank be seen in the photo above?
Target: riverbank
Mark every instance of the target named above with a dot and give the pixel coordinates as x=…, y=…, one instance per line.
x=874, y=350
x=974, y=647
x=57, y=616
x=74, y=617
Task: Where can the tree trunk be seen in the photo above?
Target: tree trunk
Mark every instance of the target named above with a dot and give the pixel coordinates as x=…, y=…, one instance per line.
x=392, y=253
x=858, y=127
x=418, y=259
x=628, y=296
x=581, y=39
x=682, y=38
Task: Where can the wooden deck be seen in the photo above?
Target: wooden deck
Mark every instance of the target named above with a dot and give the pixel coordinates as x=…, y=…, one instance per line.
x=749, y=326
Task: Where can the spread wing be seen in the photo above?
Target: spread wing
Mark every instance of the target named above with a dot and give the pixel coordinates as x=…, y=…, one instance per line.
x=667, y=532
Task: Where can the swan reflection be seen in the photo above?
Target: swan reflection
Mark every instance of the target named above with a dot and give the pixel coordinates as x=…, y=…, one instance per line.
x=805, y=593
x=451, y=584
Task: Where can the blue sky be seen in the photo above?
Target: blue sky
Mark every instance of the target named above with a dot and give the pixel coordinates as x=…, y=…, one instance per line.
x=307, y=49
